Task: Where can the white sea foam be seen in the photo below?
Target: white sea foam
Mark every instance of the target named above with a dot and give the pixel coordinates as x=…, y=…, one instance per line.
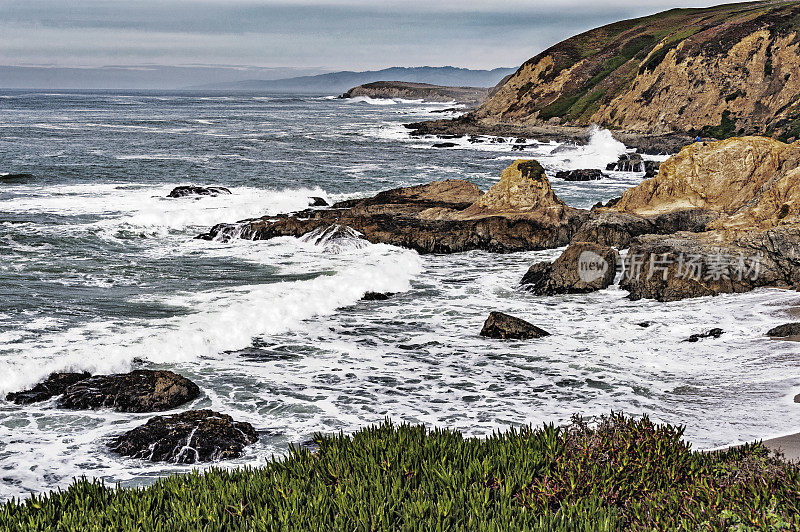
x=371, y=101
x=227, y=320
x=141, y=206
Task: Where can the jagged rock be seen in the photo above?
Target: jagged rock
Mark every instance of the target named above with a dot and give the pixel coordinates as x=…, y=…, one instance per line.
x=191, y=190
x=137, y=391
x=580, y=175
x=335, y=238
x=520, y=212
x=377, y=296
x=315, y=201
x=742, y=196
x=687, y=265
x=713, y=333
x=583, y=267
x=651, y=168
x=618, y=229
x=186, y=438
x=748, y=181
x=445, y=145
x=500, y=325
x=782, y=331
x=628, y=162
x=55, y=384
x=611, y=228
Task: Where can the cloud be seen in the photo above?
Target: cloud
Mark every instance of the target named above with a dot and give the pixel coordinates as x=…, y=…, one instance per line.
x=338, y=34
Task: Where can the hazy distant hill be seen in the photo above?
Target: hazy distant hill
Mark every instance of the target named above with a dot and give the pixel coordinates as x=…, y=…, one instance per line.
x=339, y=82
x=135, y=77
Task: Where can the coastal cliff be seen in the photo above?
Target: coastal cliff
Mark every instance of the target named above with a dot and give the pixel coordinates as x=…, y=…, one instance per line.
x=716, y=72
x=420, y=91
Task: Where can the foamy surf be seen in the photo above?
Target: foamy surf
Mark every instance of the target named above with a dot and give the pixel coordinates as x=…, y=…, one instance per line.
x=228, y=320
x=148, y=207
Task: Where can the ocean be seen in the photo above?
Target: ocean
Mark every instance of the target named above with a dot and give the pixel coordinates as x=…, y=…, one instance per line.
x=100, y=271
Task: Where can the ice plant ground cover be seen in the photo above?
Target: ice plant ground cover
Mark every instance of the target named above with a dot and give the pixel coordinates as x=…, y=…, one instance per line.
x=616, y=473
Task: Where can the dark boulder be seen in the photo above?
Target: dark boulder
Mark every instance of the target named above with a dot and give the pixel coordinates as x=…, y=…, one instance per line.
x=56, y=384
x=651, y=168
x=629, y=162
x=377, y=296
x=191, y=190
x=137, y=391
x=713, y=333
x=500, y=325
x=583, y=267
x=685, y=265
x=618, y=229
x=580, y=175
x=787, y=329
x=445, y=145
x=316, y=201
x=186, y=438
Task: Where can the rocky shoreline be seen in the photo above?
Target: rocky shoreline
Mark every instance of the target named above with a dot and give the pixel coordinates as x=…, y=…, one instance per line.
x=470, y=96
x=719, y=217
x=467, y=125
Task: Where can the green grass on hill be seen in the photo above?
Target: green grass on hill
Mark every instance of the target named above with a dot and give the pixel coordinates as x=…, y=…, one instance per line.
x=621, y=473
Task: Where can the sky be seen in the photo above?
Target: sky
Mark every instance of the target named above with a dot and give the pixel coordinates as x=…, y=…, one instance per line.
x=310, y=35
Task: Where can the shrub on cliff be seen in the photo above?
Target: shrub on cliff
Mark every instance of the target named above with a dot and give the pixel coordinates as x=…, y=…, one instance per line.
x=621, y=473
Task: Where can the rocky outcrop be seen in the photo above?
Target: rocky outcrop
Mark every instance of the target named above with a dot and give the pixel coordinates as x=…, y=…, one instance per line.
x=377, y=296
x=687, y=265
x=186, y=438
x=583, y=267
x=192, y=190
x=751, y=181
x=503, y=326
x=782, y=331
x=137, y=391
x=55, y=384
x=627, y=162
x=316, y=201
x=519, y=213
x=713, y=72
x=713, y=333
x=732, y=212
x=580, y=175
x=419, y=91
x=610, y=227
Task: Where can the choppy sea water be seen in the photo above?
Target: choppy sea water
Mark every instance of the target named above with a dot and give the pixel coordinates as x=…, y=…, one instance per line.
x=99, y=271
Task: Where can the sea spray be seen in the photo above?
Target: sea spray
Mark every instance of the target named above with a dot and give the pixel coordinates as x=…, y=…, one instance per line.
x=228, y=320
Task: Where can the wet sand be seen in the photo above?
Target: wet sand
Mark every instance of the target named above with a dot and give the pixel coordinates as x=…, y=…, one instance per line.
x=788, y=445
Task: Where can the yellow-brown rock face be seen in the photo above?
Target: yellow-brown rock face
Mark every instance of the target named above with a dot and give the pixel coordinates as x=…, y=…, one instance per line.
x=523, y=190
x=753, y=181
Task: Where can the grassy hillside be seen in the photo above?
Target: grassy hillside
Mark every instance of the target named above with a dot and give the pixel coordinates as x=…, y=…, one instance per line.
x=619, y=474
x=716, y=71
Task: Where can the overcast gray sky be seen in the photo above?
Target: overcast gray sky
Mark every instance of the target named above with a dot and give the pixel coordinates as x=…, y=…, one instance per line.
x=327, y=34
